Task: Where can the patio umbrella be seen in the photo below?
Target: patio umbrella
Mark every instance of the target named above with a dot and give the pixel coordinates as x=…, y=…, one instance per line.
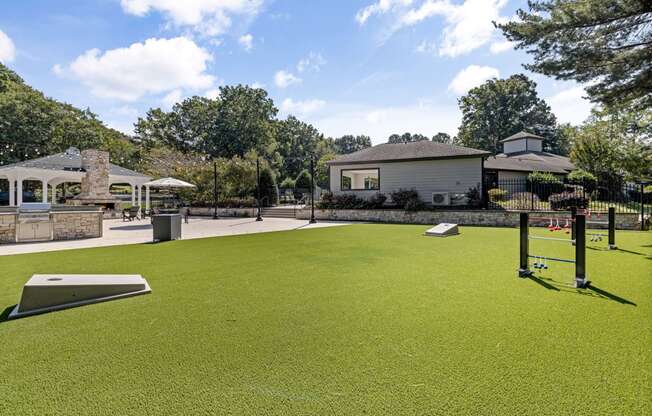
x=169, y=183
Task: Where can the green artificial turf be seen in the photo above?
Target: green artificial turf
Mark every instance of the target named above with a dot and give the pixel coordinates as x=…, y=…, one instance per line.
x=362, y=319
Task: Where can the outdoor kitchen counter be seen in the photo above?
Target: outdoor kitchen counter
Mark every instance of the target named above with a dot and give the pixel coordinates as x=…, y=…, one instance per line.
x=66, y=222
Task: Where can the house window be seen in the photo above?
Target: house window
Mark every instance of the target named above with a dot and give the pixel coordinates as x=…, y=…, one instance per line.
x=360, y=179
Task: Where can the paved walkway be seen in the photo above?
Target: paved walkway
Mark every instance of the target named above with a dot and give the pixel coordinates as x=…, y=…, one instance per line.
x=117, y=232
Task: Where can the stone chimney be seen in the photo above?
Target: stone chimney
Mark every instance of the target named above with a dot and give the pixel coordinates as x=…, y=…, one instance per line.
x=95, y=184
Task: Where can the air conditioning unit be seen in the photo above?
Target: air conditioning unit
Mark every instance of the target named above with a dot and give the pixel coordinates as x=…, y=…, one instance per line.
x=441, y=198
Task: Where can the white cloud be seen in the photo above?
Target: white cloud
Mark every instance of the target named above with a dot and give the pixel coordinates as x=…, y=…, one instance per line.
x=501, y=46
x=209, y=17
x=301, y=108
x=284, y=79
x=212, y=93
x=173, y=97
x=246, y=41
x=426, y=47
x=257, y=85
x=7, y=48
x=58, y=70
x=379, y=7
x=470, y=77
x=313, y=62
x=570, y=106
x=153, y=67
x=468, y=26
x=380, y=122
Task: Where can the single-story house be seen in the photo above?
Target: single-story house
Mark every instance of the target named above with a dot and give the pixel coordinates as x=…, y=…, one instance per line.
x=440, y=173
x=523, y=154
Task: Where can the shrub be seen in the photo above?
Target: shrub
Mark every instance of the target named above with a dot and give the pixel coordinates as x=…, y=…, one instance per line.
x=567, y=200
x=288, y=183
x=584, y=178
x=524, y=200
x=249, y=202
x=342, y=201
x=497, y=194
x=401, y=197
x=544, y=184
x=302, y=182
x=268, y=190
x=414, y=204
x=376, y=201
x=474, y=198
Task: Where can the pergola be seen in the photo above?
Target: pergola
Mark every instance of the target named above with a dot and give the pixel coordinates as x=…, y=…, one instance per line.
x=64, y=168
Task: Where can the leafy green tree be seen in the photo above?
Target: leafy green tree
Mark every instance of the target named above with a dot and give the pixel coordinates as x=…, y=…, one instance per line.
x=32, y=125
x=244, y=122
x=615, y=143
x=501, y=107
x=268, y=189
x=349, y=144
x=605, y=43
x=302, y=182
x=406, y=138
x=442, y=138
x=297, y=143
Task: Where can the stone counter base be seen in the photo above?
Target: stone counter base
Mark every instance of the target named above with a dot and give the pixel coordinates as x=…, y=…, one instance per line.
x=66, y=225
x=469, y=217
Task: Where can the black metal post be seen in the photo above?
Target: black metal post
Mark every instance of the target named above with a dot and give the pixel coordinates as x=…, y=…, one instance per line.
x=258, y=216
x=215, y=216
x=312, y=190
x=612, y=228
x=573, y=228
x=523, y=269
x=580, y=252
x=642, y=202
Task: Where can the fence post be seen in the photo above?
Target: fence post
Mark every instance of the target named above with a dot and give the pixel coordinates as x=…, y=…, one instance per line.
x=642, y=203
x=612, y=228
x=523, y=270
x=580, y=252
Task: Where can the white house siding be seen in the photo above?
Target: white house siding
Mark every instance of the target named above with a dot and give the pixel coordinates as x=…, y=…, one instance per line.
x=426, y=176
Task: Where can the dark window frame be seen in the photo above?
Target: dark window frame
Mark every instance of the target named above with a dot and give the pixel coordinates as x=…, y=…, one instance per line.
x=360, y=189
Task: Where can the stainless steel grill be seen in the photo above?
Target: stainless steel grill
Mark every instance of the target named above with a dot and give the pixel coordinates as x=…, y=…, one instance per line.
x=33, y=223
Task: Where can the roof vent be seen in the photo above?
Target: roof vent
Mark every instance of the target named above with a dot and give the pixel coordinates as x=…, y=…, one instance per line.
x=73, y=151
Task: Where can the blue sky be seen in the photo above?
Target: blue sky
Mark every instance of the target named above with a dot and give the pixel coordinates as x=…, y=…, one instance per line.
x=372, y=67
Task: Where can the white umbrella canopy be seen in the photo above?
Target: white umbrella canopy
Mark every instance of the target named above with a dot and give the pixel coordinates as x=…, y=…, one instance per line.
x=169, y=183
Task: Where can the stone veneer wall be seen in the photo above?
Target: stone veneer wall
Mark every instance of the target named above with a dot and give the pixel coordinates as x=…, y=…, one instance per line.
x=7, y=228
x=77, y=225
x=463, y=217
x=68, y=225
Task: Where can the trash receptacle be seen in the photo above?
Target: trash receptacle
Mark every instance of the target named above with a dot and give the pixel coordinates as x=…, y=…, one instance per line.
x=166, y=227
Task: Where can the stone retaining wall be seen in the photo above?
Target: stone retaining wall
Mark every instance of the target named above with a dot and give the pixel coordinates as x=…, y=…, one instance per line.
x=465, y=217
x=7, y=228
x=222, y=212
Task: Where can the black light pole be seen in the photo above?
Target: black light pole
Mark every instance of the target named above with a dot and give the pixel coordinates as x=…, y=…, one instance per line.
x=312, y=190
x=215, y=216
x=258, y=217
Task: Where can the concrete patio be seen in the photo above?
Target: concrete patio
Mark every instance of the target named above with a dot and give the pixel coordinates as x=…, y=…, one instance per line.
x=117, y=232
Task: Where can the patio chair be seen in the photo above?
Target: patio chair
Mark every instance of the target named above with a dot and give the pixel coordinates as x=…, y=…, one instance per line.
x=128, y=214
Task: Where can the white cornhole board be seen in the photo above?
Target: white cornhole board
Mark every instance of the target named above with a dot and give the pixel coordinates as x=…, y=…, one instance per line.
x=443, y=230
x=51, y=292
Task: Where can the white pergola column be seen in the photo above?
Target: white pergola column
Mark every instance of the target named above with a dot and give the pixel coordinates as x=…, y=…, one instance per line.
x=12, y=192
x=133, y=194
x=54, y=193
x=44, y=185
x=19, y=191
x=147, y=198
x=140, y=194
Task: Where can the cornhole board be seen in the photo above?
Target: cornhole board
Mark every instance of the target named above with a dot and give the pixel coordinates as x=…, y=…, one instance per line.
x=443, y=230
x=50, y=292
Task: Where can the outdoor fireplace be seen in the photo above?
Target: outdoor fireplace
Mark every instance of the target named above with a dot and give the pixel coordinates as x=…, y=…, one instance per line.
x=95, y=183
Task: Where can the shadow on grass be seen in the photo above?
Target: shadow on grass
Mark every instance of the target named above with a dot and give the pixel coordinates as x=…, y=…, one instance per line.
x=4, y=316
x=590, y=290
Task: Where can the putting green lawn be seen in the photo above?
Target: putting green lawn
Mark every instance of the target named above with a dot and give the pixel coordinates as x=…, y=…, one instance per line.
x=353, y=320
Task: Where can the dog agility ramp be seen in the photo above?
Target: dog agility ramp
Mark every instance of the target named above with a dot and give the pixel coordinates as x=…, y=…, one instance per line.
x=50, y=292
x=443, y=230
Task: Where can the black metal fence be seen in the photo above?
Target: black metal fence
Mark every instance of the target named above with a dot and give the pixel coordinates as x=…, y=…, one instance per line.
x=524, y=194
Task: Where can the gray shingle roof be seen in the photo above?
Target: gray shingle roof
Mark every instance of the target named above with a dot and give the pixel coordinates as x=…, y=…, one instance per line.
x=530, y=162
x=390, y=152
x=68, y=162
x=521, y=135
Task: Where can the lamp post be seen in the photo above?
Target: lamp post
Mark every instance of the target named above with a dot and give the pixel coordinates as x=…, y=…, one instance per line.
x=215, y=216
x=258, y=217
x=312, y=190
